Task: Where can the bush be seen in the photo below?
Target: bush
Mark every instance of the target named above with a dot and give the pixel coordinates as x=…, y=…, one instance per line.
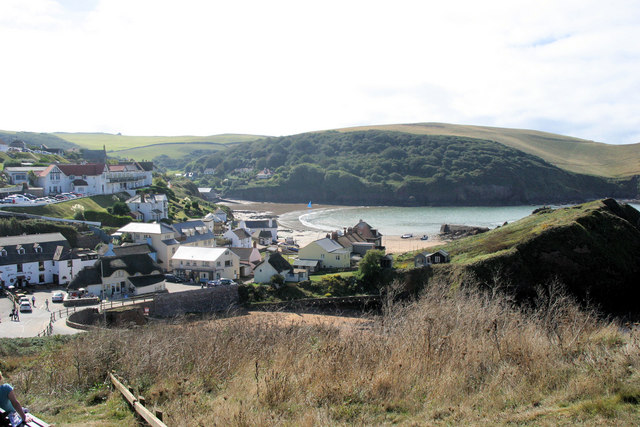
x=107, y=219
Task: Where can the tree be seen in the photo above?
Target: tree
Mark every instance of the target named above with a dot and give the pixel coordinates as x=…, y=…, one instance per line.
x=120, y=208
x=369, y=270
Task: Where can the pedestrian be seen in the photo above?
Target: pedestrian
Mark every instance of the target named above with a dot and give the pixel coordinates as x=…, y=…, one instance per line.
x=33, y=300
x=13, y=314
x=9, y=403
x=46, y=302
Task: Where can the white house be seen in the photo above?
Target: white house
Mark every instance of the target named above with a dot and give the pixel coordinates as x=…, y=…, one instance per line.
x=94, y=178
x=275, y=264
x=20, y=174
x=201, y=264
x=269, y=225
x=117, y=276
x=40, y=258
x=149, y=207
x=249, y=258
x=239, y=238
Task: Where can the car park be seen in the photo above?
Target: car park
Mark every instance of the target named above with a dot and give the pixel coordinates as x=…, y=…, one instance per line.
x=25, y=307
x=16, y=198
x=57, y=297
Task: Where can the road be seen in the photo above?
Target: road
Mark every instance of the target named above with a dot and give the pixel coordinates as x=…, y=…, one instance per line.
x=31, y=324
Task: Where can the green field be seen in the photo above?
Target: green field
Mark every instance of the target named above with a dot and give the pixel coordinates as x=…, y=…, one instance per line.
x=572, y=154
x=114, y=143
x=171, y=149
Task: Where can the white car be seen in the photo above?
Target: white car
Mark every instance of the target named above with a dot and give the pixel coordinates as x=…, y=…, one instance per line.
x=57, y=297
x=25, y=307
x=16, y=198
x=24, y=299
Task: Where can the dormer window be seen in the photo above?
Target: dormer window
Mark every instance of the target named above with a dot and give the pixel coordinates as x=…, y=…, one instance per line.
x=37, y=248
x=20, y=250
x=3, y=252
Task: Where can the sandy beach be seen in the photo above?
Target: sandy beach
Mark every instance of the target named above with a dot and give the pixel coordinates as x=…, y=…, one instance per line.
x=304, y=235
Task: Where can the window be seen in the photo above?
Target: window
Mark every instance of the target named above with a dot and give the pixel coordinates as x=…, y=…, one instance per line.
x=3, y=252
x=228, y=263
x=188, y=263
x=338, y=257
x=37, y=248
x=205, y=263
x=69, y=263
x=20, y=250
x=218, y=264
x=41, y=278
x=41, y=266
x=19, y=268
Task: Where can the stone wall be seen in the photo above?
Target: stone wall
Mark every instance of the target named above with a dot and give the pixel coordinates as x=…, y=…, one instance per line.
x=205, y=300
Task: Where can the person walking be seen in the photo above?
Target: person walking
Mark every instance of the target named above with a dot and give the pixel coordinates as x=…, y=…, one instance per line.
x=33, y=301
x=9, y=403
x=46, y=303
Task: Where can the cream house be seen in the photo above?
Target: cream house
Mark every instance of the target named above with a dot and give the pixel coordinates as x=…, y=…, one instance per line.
x=202, y=264
x=329, y=252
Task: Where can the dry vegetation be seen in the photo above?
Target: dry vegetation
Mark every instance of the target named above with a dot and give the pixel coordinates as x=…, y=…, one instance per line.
x=463, y=358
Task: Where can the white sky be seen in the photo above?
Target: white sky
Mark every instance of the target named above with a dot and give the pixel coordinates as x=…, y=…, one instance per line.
x=191, y=67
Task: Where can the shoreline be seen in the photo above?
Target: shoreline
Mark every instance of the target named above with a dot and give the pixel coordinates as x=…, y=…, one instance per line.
x=303, y=235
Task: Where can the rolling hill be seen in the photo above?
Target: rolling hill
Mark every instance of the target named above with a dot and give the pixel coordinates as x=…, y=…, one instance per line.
x=571, y=154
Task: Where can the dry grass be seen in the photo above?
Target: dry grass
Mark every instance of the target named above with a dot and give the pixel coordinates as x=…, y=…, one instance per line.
x=448, y=358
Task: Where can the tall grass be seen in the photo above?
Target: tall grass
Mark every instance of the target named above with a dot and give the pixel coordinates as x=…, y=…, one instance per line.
x=464, y=357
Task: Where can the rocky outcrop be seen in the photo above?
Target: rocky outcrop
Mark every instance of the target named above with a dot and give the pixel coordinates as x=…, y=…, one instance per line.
x=454, y=231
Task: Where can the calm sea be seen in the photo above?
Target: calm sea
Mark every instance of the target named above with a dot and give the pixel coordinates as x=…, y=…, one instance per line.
x=398, y=221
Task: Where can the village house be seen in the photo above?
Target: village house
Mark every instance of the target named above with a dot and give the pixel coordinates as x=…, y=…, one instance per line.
x=215, y=224
x=129, y=249
x=330, y=253
x=425, y=258
x=270, y=225
x=39, y=258
x=276, y=265
x=239, y=238
x=20, y=174
x=149, y=207
x=249, y=258
x=166, y=239
x=264, y=174
x=115, y=277
x=94, y=178
x=203, y=264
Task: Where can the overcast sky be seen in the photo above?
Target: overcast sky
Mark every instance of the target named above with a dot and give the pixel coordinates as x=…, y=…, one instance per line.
x=154, y=67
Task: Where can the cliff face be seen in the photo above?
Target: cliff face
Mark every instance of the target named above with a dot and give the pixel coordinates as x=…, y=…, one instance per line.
x=592, y=249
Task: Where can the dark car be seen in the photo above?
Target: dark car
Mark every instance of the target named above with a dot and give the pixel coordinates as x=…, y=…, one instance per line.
x=173, y=278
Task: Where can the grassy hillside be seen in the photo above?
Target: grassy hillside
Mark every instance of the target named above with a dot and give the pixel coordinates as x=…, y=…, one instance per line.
x=378, y=167
x=173, y=150
x=444, y=359
x=66, y=209
x=114, y=143
x=593, y=249
x=572, y=154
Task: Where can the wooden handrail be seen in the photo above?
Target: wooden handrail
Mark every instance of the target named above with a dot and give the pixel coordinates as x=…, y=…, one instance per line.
x=149, y=417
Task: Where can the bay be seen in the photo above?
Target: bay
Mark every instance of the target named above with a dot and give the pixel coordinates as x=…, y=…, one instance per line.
x=396, y=221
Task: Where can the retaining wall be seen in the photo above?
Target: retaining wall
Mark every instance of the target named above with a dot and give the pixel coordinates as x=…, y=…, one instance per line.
x=205, y=300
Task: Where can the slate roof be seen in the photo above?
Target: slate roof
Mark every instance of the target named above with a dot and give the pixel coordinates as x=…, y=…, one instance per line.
x=242, y=233
x=92, y=169
x=106, y=266
x=150, y=279
x=136, y=248
x=278, y=262
x=329, y=245
x=37, y=247
x=146, y=228
x=255, y=224
x=243, y=253
x=147, y=198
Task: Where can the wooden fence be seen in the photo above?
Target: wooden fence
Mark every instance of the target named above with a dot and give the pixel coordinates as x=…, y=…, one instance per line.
x=137, y=403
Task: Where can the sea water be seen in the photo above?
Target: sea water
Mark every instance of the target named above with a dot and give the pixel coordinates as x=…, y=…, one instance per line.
x=396, y=221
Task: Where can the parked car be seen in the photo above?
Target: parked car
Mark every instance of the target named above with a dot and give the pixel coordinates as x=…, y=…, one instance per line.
x=25, y=307
x=16, y=198
x=226, y=282
x=24, y=299
x=57, y=297
x=69, y=195
x=173, y=278
x=407, y=236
